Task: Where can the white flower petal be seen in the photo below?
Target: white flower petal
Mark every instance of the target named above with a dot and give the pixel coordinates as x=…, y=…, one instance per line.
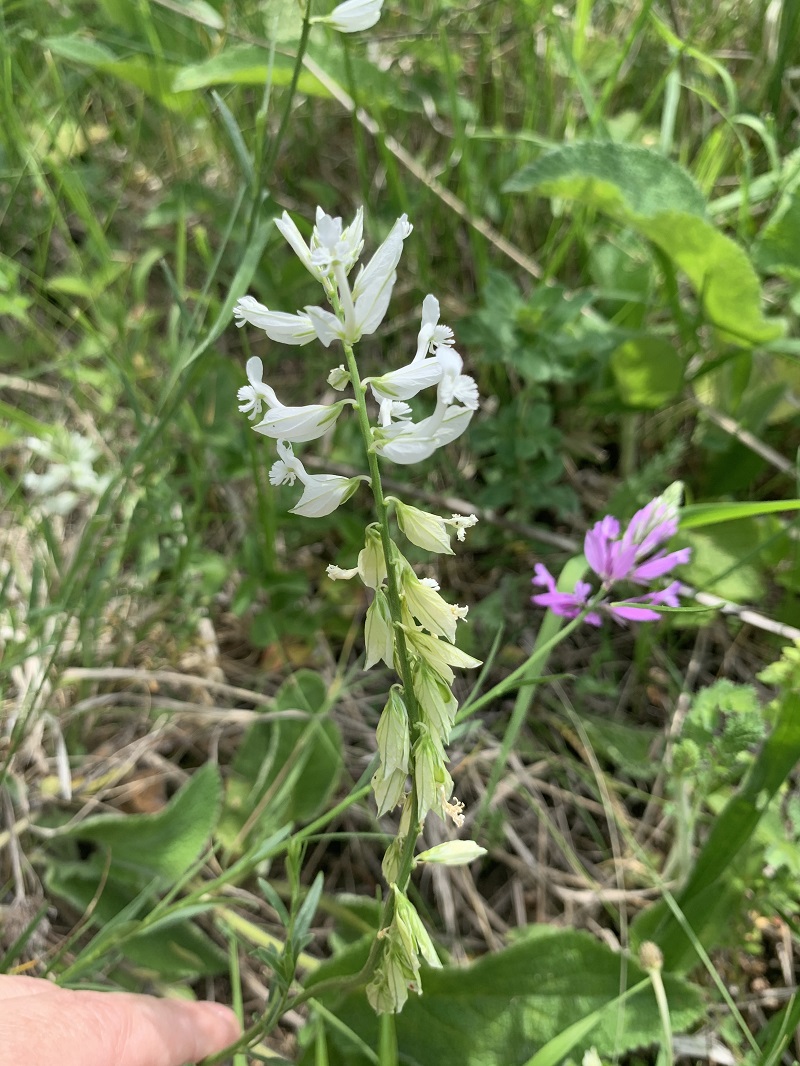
x=278, y=326
x=326, y=325
x=405, y=383
x=323, y=493
x=294, y=237
x=298, y=424
x=354, y=15
x=374, y=276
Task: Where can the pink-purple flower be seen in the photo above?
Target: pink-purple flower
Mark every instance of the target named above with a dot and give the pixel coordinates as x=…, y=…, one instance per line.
x=636, y=555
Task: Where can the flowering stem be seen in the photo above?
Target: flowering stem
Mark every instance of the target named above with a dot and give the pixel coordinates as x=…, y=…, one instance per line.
x=393, y=594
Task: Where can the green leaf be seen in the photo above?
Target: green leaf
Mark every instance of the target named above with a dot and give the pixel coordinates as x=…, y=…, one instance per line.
x=656, y=197
x=648, y=372
x=777, y=250
x=707, y=896
x=630, y=748
x=147, y=73
x=177, y=949
x=506, y=1007
x=163, y=844
x=722, y=561
x=79, y=50
x=697, y=515
x=245, y=65
x=285, y=769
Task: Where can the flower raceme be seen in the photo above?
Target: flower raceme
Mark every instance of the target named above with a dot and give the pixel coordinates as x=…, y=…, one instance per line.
x=330, y=257
x=409, y=626
x=635, y=555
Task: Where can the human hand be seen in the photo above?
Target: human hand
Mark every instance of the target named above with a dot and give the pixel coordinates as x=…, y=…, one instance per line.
x=43, y=1025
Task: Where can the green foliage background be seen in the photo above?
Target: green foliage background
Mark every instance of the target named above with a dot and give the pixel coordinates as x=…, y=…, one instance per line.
x=604, y=200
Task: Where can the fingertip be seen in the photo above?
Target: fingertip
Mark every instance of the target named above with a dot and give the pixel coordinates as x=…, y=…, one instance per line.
x=223, y=1024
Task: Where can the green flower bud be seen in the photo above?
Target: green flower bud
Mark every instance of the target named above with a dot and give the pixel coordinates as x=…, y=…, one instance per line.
x=379, y=632
x=389, y=789
x=430, y=609
x=452, y=853
x=371, y=561
x=424, y=529
x=394, y=743
x=436, y=702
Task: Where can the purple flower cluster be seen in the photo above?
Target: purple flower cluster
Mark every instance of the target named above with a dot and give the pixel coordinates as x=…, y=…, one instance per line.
x=635, y=556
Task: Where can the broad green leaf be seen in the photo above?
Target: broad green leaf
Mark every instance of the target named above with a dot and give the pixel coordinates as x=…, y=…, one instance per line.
x=506, y=1007
x=710, y=892
x=630, y=748
x=202, y=12
x=723, y=561
x=284, y=770
x=777, y=250
x=166, y=843
x=79, y=50
x=245, y=65
x=150, y=75
x=697, y=515
x=656, y=197
x=648, y=372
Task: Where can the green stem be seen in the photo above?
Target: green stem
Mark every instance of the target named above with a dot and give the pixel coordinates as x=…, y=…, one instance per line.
x=393, y=592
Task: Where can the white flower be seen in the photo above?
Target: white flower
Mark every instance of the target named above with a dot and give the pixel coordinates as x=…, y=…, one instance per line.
x=405, y=383
x=373, y=288
x=278, y=326
x=439, y=654
x=353, y=15
x=406, y=443
x=299, y=424
x=411, y=442
x=453, y=384
x=280, y=422
x=431, y=334
x=322, y=493
x=461, y=523
x=257, y=392
x=430, y=609
x=336, y=573
x=333, y=245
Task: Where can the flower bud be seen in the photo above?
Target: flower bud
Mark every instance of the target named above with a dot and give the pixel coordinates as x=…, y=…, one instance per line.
x=394, y=743
x=379, y=632
x=423, y=528
x=371, y=560
x=452, y=853
x=339, y=378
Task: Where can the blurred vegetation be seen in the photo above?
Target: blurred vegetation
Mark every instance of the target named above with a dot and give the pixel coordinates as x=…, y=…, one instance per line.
x=605, y=201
